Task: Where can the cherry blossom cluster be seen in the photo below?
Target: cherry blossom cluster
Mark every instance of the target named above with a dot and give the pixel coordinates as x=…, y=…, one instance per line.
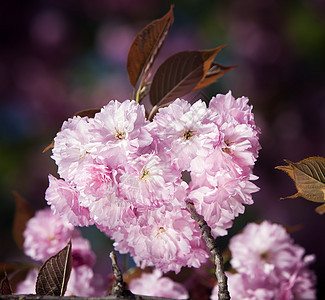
x=125, y=174
x=45, y=235
x=269, y=266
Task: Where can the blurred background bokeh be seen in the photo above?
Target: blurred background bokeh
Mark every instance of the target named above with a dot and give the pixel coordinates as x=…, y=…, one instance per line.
x=60, y=57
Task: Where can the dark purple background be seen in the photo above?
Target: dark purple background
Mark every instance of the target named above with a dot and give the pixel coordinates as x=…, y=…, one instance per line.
x=60, y=57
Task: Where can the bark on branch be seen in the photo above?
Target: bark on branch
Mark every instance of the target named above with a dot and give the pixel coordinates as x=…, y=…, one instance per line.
x=119, y=287
x=37, y=297
x=223, y=293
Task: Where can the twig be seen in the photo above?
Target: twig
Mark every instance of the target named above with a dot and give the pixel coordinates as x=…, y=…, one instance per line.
x=119, y=288
x=38, y=297
x=223, y=293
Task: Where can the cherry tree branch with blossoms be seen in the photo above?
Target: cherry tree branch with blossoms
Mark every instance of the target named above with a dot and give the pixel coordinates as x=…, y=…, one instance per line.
x=121, y=168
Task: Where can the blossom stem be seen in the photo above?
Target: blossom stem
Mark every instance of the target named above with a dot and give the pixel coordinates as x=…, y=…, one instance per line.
x=223, y=293
x=119, y=287
x=152, y=113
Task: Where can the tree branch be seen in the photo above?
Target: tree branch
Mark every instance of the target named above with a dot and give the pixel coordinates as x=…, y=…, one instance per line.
x=38, y=297
x=119, y=287
x=223, y=293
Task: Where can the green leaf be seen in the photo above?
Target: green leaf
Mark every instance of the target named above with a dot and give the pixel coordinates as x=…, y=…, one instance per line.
x=146, y=45
x=53, y=276
x=309, y=178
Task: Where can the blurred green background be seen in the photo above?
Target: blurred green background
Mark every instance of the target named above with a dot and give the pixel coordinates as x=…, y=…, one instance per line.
x=60, y=57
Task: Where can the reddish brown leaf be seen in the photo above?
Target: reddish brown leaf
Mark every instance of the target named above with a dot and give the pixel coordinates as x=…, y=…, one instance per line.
x=208, y=56
x=23, y=213
x=294, y=228
x=88, y=112
x=19, y=275
x=50, y=146
x=146, y=46
x=309, y=177
x=215, y=72
x=179, y=75
x=5, y=288
x=53, y=276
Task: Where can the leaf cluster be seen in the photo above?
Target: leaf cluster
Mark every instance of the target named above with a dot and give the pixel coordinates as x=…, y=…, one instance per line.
x=177, y=76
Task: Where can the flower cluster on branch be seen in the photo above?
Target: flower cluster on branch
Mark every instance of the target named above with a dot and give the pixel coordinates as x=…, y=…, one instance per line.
x=124, y=174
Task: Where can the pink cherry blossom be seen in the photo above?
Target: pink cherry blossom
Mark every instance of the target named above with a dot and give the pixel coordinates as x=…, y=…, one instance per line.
x=269, y=265
x=83, y=282
x=221, y=174
x=124, y=174
x=242, y=287
x=301, y=283
x=148, y=181
x=71, y=147
x=237, y=127
x=64, y=200
x=182, y=131
x=167, y=240
x=27, y=286
x=268, y=250
x=81, y=252
x=118, y=131
x=153, y=284
x=46, y=234
x=220, y=197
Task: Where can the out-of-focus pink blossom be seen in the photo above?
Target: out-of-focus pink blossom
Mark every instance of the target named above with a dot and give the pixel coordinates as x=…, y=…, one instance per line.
x=81, y=253
x=301, y=283
x=269, y=265
x=46, y=234
x=157, y=286
x=82, y=282
x=27, y=286
x=242, y=287
x=268, y=251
